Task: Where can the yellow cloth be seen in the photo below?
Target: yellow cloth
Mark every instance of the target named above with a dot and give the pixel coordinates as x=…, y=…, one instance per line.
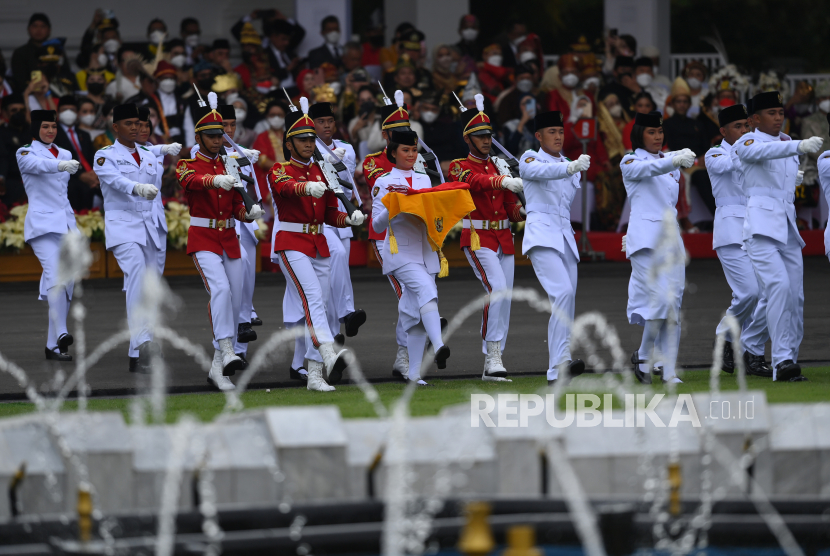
x=438, y=210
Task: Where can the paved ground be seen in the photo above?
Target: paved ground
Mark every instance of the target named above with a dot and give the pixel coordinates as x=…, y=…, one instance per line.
x=602, y=287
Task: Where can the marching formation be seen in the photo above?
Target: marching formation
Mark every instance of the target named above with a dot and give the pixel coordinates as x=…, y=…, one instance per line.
x=754, y=172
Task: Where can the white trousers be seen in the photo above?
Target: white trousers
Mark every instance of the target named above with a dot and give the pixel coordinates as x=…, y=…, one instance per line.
x=780, y=271
x=341, y=295
x=418, y=289
x=557, y=273
x=162, y=253
x=308, y=279
x=495, y=271
x=748, y=306
x=223, y=278
x=47, y=250
x=658, y=297
x=397, y=287
x=250, y=252
x=134, y=260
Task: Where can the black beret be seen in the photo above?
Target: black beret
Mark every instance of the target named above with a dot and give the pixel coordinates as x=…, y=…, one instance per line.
x=124, y=112
x=320, y=110
x=280, y=27
x=143, y=114
x=623, y=61
x=404, y=137
x=227, y=111
x=221, y=43
x=13, y=98
x=548, y=119
x=732, y=114
x=643, y=61
x=769, y=99
x=39, y=116
x=40, y=17
x=652, y=119
x=67, y=100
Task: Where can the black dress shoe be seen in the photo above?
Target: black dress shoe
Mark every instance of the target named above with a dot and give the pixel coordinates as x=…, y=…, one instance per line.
x=441, y=357
x=340, y=340
x=295, y=374
x=354, y=321
x=256, y=321
x=146, y=352
x=135, y=367
x=399, y=375
x=244, y=333
x=756, y=365
x=728, y=362
x=644, y=378
x=56, y=356
x=444, y=323
x=64, y=342
x=576, y=367
x=244, y=360
x=786, y=371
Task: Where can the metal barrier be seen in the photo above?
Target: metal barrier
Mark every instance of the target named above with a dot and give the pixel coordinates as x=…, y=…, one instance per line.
x=812, y=78
x=713, y=62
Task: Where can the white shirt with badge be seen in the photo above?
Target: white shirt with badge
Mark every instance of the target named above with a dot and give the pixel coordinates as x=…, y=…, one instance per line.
x=128, y=218
x=727, y=188
x=49, y=209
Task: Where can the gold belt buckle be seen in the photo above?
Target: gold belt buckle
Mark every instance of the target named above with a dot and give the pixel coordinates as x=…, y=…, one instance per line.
x=220, y=225
x=313, y=228
x=492, y=225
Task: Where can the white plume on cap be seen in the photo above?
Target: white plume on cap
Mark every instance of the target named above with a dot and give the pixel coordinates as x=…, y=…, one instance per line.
x=399, y=98
x=304, y=105
x=480, y=103
x=213, y=100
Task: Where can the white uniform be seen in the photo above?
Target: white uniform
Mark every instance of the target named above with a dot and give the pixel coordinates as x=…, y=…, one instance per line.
x=48, y=218
x=158, y=206
x=549, y=242
x=823, y=164
x=770, y=166
x=130, y=224
x=652, y=184
x=341, y=297
x=415, y=265
x=748, y=306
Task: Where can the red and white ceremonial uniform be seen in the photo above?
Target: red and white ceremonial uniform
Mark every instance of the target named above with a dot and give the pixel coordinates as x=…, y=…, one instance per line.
x=212, y=240
x=493, y=264
x=301, y=247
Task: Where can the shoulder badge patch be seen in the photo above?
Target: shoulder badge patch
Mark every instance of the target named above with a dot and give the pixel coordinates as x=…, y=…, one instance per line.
x=375, y=191
x=748, y=142
x=629, y=161
x=101, y=161
x=24, y=153
x=369, y=164
x=455, y=169
x=278, y=169
x=529, y=159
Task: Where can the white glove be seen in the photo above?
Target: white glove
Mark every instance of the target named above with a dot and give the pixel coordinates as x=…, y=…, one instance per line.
x=811, y=145
x=684, y=158
x=172, y=148
x=70, y=166
x=315, y=188
x=225, y=182
x=513, y=184
x=356, y=219
x=252, y=154
x=799, y=177
x=255, y=213
x=146, y=190
x=579, y=165
x=624, y=244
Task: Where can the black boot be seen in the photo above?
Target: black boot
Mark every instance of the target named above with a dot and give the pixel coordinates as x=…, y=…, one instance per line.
x=52, y=355
x=64, y=342
x=295, y=374
x=576, y=367
x=256, y=321
x=339, y=340
x=644, y=378
x=756, y=365
x=244, y=333
x=787, y=371
x=441, y=357
x=354, y=321
x=244, y=361
x=728, y=362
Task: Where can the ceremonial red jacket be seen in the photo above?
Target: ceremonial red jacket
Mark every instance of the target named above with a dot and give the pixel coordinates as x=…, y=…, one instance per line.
x=288, y=182
x=491, y=200
x=209, y=201
x=374, y=166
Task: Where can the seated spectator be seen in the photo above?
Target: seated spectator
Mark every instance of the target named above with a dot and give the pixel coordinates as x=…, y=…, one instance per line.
x=98, y=62
x=653, y=53
x=708, y=119
x=330, y=51
x=389, y=55
x=83, y=184
x=816, y=126
x=695, y=76
x=644, y=75
x=440, y=131
x=361, y=126
x=469, y=46
x=14, y=133
x=411, y=53
x=371, y=48
x=445, y=69
x=622, y=46
x=156, y=35
x=508, y=104
x=283, y=38
x=108, y=137
x=348, y=104
x=493, y=77
x=530, y=52
x=352, y=53
x=169, y=105
x=191, y=34
x=624, y=85
x=127, y=79
x=616, y=113
x=269, y=142
x=405, y=75
x=176, y=55
x=25, y=59
x=96, y=84
x=516, y=34
x=681, y=131
x=643, y=104
x=254, y=64
x=90, y=119
x=219, y=54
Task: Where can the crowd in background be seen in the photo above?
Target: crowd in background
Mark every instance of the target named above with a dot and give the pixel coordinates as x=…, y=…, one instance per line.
x=172, y=68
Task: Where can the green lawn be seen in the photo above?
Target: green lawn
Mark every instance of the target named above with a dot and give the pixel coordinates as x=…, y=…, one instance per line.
x=430, y=400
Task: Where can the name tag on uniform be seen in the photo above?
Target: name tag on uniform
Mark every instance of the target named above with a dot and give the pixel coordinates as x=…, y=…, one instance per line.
x=124, y=162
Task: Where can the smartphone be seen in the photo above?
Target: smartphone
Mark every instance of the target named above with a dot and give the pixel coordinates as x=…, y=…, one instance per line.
x=366, y=108
x=36, y=75
x=530, y=106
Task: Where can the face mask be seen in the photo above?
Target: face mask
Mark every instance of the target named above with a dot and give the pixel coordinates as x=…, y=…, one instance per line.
x=824, y=105
x=444, y=61
x=240, y=114
x=333, y=37
x=276, y=122
x=569, y=80
x=694, y=83
x=87, y=119
x=264, y=89
x=715, y=109
x=192, y=40
x=95, y=88
x=526, y=56
x=178, y=60
x=525, y=85
x=68, y=117
x=205, y=84
x=336, y=87
x=18, y=119
x=157, y=36
x=494, y=60
x=453, y=66
x=644, y=80
x=167, y=85
x=103, y=59
x=519, y=40
x=429, y=116
x=591, y=83
x=111, y=46
x=469, y=34
x=616, y=110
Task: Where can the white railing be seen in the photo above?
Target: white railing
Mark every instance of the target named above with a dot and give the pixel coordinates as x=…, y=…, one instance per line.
x=550, y=60
x=713, y=62
x=812, y=78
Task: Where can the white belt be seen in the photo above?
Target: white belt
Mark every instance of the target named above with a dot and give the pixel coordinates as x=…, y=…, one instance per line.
x=138, y=206
x=555, y=210
x=212, y=223
x=298, y=228
x=769, y=192
x=726, y=201
x=487, y=224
